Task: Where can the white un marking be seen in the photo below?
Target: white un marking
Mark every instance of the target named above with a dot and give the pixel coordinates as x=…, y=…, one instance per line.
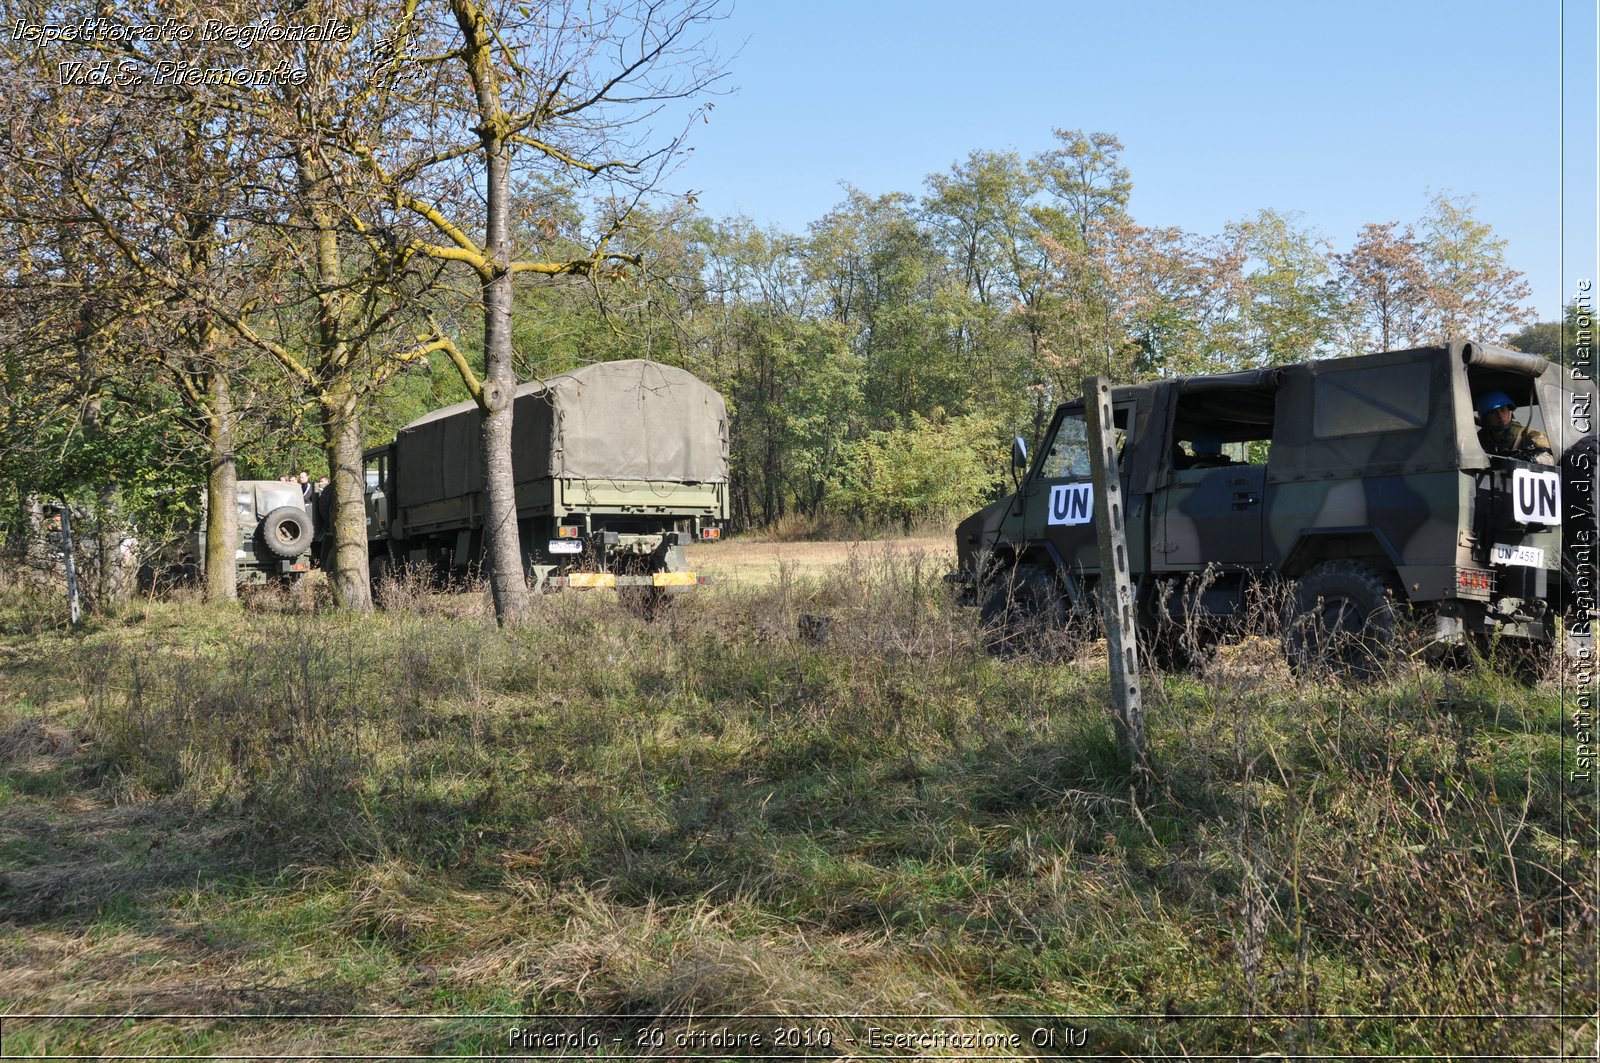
x=1071, y=503
x=1536, y=496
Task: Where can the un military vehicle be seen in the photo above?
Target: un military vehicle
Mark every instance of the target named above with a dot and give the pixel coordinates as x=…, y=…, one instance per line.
x=1359, y=483
x=275, y=532
x=617, y=465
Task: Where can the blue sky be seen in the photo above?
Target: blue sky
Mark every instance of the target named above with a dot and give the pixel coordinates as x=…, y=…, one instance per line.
x=1347, y=113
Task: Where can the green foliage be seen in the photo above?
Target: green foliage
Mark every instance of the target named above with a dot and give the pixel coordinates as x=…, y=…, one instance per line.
x=135, y=454
x=927, y=467
x=1554, y=340
x=1293, y=310
x=966, y=312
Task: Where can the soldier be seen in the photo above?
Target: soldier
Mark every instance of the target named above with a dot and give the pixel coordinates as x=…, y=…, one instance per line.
x=1499, y=434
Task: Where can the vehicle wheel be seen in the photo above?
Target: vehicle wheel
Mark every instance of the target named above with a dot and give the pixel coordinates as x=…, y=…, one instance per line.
x=1024, y=613
x=1174, y=635
x=285, y=532
x=1343, y=620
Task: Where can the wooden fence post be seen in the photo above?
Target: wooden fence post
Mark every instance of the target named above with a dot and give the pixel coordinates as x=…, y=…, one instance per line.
x=1116, y=586
x=73, y=608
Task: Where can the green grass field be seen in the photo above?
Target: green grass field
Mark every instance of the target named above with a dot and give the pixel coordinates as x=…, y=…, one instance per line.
x=273, y=830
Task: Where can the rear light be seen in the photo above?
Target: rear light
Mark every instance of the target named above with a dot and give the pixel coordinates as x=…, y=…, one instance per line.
x=710, y=533
x=567, y=531
x=1472, y=579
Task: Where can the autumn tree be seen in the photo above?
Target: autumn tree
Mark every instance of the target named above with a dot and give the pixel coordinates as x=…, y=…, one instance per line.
x=94, y=171
x=883, y=276
x=785, y=365
x=1385, y=278
x=1473, y=292
x=1178, y=301
x=1085, y=214
x=985, y=216
x=239, y=231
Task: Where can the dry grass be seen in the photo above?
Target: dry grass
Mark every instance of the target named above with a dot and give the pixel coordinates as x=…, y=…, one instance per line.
x=280, y=811
x=752, y=562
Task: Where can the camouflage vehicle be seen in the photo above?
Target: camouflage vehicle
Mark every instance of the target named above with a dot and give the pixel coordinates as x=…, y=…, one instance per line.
x=617, y=466
x=1361, y=482
x=275, y=531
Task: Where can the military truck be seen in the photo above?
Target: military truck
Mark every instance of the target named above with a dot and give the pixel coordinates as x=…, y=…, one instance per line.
x=1358, y=484
x=617, y=466
x=275, y=532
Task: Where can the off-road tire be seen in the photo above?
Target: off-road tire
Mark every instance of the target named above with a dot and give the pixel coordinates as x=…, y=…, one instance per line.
x=1174, y=643
x=1342, y=620
x=285, y=533
x=1024, y=613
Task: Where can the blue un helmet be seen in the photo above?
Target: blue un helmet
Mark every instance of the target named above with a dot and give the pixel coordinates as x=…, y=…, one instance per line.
x=1494, y=401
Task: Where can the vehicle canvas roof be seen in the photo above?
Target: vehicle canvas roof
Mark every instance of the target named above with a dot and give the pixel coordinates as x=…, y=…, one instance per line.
x=632, y=419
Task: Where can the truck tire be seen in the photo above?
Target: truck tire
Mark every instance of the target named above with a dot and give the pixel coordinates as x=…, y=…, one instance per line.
x=380, y=571
x=1024, y=613
x=285, y=533
x=1342, y=620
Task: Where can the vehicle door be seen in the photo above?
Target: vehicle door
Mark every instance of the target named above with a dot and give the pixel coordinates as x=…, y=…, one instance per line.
x=1210, y=508
x=1058, y=497
x=1209, y=516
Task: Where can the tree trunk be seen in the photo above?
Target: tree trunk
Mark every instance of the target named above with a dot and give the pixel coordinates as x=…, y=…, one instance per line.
x=501, y=545
x=222, y=489
x=116, y=552
x=341, y=428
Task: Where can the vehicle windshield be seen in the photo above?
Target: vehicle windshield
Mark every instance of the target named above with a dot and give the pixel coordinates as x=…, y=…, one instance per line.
x=1068, y=456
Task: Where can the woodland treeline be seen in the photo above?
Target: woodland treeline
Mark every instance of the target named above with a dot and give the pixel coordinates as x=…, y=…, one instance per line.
x=214, y=277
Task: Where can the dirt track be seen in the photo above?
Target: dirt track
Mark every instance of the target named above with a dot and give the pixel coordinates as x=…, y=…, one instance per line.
x=754, y=560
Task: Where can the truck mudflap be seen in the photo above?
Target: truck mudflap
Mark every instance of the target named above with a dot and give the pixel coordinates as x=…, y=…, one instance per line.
x=597, y=580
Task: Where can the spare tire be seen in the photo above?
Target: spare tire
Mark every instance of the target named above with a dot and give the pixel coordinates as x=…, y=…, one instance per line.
x=285, y=532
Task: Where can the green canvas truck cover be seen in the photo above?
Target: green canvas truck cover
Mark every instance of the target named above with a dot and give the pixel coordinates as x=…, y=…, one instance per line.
x=626, y=420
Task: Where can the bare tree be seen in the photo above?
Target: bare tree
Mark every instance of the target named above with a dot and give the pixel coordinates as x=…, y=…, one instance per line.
x=491, y=90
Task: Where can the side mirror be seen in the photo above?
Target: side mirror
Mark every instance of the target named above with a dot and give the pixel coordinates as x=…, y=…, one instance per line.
x=1019, y=453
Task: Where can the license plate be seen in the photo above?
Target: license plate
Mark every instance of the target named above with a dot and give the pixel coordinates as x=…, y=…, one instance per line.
x=1527, y=556
x=565, y=546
